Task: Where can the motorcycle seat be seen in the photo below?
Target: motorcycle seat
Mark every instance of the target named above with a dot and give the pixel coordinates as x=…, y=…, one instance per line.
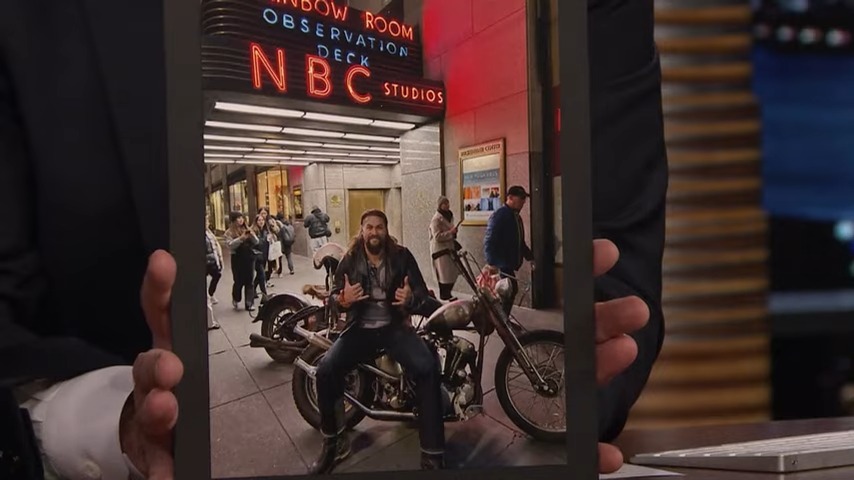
x=316, y=291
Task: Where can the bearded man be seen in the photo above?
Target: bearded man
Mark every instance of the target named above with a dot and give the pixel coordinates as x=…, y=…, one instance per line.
x=378, y=283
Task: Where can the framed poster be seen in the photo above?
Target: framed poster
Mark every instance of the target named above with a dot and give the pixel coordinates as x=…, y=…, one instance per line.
x=482, y=182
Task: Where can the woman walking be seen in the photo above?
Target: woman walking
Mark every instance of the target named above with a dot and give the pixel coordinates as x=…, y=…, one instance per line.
x=214, y=261
x=259, y=229
x=287, y=236
x=443, y=235
x=241, y=242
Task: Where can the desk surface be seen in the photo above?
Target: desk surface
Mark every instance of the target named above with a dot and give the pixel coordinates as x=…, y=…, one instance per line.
x=644, y=441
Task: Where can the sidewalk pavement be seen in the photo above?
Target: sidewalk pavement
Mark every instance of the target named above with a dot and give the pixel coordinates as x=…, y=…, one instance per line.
x=257, y=431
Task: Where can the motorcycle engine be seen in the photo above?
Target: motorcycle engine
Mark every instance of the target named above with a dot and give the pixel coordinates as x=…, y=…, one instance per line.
x=461, y=355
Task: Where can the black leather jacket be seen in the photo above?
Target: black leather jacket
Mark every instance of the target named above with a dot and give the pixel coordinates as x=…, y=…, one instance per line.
x=402, y=264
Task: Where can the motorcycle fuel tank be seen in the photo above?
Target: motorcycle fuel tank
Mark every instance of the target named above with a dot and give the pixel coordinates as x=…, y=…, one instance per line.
x=451, y=316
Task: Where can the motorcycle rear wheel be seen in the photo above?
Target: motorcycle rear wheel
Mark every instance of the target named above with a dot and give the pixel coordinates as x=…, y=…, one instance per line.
x=506, y=361
x=304, y=392
x=279, y=310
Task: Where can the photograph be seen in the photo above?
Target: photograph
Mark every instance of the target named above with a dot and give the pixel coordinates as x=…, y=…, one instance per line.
x=481, y=180
x=370, y=297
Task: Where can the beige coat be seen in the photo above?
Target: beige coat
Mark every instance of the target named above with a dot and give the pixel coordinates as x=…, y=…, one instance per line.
x=441, y=238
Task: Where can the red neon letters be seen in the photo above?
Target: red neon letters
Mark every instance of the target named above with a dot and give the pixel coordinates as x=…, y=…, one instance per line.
x=348, y=81
x=410, y=92
x=394, y=28
x=317, y=70
x=318, y=75
x=278, y=75
x=326, y=8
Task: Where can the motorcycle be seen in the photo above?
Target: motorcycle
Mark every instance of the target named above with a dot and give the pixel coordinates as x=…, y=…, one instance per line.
x=283, y=312
x=379, y=389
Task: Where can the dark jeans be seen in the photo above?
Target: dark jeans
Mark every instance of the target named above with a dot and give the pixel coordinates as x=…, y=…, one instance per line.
x=241, y=269
x=358, y=345
x=260, y=277
x=215, y=274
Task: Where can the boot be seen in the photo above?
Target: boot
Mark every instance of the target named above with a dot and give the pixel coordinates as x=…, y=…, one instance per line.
x=432, y=461
x=335, y=450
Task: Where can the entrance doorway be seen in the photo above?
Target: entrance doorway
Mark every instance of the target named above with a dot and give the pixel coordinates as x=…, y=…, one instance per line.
x=360, y=200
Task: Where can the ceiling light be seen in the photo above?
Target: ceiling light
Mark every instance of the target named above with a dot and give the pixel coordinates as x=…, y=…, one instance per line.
x=218, y=161
x=397, y=125
x=244, y=126
x=278, y=151
x=223, y=138
x=343, y=160
x=273, y=112
x=331, y=154
x=345, y=147
x=312, y=133
x=385, y=149
x=325, y=117
x=305, y=159
x=257, y=162
x=374, y=138
x=295, y=143
x=228, y=149
x=222, y=155
x=267, y=157
x=392, y=156
x=366, y=155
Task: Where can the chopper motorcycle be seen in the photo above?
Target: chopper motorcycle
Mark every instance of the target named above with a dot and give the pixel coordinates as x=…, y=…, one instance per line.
x=529, y=373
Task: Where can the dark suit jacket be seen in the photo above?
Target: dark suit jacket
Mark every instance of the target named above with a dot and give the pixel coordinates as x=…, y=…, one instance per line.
x=504, y=241
x=83, y=182
x=629, y=166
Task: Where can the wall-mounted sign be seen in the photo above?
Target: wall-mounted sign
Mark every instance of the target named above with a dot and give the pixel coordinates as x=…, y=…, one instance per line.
x=481, y=181
x=319, y=50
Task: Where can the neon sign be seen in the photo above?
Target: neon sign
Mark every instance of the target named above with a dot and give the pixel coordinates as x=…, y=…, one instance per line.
x=370, y=21
x=318, y=50
x=322, y=80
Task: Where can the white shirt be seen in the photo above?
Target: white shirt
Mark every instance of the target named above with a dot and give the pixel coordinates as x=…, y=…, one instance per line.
x=76, y=423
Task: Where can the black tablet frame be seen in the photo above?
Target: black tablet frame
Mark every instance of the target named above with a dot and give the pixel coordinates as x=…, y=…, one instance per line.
x=186, y=193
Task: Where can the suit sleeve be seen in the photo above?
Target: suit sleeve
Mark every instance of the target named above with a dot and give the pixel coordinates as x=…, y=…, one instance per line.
x=76, y=421
x=629, y=171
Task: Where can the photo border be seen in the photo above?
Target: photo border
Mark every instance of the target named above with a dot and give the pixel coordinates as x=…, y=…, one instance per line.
x=185, y=158
x=502, y=175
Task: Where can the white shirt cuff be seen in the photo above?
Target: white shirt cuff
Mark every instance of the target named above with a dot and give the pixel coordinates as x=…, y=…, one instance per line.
x=77, y=424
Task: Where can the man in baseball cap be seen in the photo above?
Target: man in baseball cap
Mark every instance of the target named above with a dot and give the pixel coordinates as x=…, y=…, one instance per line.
x=504, y=241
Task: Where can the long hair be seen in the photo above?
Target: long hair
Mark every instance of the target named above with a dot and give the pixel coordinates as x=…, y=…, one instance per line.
x=357, y=243
x=255, y=228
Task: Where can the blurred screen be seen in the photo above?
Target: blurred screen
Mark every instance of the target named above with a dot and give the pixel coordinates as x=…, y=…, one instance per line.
x=807, y=108
x=811, y=25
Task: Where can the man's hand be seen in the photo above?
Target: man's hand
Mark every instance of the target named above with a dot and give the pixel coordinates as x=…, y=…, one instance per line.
x=151, y=413
x=403, y=294
x=351, y=293
x=615, y=349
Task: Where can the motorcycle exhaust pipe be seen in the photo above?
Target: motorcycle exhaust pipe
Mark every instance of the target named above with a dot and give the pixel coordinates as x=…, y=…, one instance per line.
x=373, y=414
x=259, y=341
x=313, y=338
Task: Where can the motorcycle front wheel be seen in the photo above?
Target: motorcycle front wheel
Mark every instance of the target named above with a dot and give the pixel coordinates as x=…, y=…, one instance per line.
x=540, y=415
x=305, y=391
